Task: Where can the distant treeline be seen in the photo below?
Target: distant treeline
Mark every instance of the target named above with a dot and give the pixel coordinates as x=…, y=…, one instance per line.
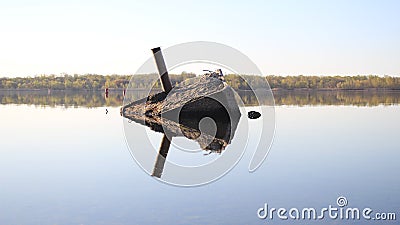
x=145, y=81
x=334, y=82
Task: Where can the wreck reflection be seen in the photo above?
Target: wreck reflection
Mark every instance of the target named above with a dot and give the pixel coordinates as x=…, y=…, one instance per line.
x=212, y=131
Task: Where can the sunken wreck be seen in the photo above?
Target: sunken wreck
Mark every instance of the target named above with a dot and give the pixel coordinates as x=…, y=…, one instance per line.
x=179, y=110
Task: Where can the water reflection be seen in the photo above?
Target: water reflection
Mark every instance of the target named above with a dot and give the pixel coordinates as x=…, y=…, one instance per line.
x=66, y=99
x=79, y=171
x=210, y=121
x=356, y=98
x=91, y=99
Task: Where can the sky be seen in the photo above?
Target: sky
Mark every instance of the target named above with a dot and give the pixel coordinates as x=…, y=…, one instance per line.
x=321, y=37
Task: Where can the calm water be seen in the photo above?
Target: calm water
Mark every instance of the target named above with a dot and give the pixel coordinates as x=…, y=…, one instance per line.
x=71, y=165
x=91, y=99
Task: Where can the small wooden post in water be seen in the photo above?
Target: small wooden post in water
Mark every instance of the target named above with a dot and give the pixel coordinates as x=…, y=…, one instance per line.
x=162, y=69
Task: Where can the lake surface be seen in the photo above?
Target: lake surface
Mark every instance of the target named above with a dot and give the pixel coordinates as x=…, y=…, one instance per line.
x=67, y=162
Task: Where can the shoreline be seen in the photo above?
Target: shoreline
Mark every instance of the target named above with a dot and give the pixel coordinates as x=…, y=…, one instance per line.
x=241, y=90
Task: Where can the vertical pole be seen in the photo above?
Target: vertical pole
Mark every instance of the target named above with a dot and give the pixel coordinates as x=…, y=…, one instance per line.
x=162, y=69
x=167, y=86
x=161, y=157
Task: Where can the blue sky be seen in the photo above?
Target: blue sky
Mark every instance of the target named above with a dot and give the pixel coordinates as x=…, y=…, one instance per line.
x=281, y=37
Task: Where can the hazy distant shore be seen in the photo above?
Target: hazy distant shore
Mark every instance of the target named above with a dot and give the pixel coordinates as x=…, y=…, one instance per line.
x=159, y=89
x=115, y=98
x=94, y=82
